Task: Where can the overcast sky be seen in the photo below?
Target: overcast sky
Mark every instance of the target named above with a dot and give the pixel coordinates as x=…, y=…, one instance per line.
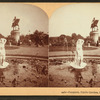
x=31, y=18
x=74, y=18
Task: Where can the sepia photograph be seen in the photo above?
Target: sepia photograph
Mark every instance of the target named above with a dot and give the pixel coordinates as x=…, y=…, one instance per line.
x=74, y=46
x=23, y=46
x=46, y=50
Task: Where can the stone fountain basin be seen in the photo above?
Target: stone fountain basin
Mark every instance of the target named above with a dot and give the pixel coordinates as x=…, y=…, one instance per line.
x=5, y=64
x=74, y=65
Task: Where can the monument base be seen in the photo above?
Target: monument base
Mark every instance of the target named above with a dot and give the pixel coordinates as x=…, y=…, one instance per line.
x=5, y=64
x=74, y=65
x=15, y=34
x=94, y=35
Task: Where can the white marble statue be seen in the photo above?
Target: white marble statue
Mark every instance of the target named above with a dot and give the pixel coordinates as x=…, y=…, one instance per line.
x=78, y=61
x=3, y=64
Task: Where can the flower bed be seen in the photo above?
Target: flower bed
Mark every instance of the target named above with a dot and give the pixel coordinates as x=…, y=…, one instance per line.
x=24, y=73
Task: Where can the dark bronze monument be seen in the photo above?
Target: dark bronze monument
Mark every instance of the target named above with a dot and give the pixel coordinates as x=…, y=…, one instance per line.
x=15, y=33
x=94, y=34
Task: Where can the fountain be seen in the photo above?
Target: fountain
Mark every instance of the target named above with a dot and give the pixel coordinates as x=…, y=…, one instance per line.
x=78, y=60
x=3, y=64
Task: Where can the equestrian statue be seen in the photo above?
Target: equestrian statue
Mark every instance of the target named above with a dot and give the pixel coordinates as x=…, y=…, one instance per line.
x=15, y=23
x=94, y=24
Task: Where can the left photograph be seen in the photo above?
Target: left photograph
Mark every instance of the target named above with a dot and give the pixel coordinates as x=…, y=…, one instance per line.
x=23, y=46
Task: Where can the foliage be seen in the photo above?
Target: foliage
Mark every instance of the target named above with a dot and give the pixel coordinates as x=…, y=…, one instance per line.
x=10, y=40
x=65, y=40
x=37, y=38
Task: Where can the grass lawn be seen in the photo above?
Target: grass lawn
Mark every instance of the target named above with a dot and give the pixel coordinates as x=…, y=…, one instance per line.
x=59, y=51
x=62, y=48
x=26, y=50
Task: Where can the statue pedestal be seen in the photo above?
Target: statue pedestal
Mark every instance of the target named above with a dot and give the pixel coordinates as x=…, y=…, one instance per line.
x=5, y=64
x=15, y=34
x=74, y=65
x=94, y=35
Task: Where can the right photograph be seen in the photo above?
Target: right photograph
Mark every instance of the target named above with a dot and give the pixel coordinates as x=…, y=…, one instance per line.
x=74, y=46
